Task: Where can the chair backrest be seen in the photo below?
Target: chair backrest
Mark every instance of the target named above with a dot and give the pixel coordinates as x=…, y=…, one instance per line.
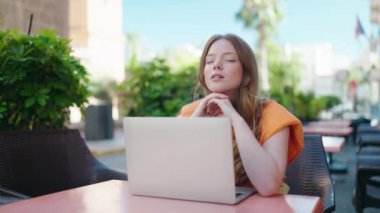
x=309, y=173
x=41, y=162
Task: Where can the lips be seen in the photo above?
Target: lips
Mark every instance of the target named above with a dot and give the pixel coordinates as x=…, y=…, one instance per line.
x=217, y=76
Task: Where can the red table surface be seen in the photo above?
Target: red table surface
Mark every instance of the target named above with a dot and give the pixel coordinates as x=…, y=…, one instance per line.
x=328, y=130
x=332, y=123
x=113, y=196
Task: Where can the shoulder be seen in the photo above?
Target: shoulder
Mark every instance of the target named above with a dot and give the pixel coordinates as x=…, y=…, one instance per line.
x=275, y=112
x=274, y=118
x=270, y=105
x=188, y=109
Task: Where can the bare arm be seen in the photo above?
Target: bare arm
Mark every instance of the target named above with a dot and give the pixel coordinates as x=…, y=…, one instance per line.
x=265, y=165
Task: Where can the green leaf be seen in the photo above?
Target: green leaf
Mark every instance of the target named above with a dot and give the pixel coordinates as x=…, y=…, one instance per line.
x=41, y=99
x=18, y=119
x=18, y=50
x=44, y=91
x=2, y=110
x=26, y=92
x=30, y=102
x=11, y=118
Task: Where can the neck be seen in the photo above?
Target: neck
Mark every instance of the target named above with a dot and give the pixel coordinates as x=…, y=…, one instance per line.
x=233, y=96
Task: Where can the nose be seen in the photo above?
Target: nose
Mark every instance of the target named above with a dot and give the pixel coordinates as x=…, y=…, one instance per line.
x=218, y=66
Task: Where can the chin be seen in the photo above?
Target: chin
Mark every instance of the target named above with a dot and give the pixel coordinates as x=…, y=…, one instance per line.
x=217, y=90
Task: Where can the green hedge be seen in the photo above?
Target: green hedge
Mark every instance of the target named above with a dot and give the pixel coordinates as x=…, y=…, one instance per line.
x=153, y=89
x=304, y=105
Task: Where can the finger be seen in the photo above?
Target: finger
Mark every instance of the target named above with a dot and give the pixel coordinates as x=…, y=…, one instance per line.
x=215, y=95
x=218, y=112
x=212, y=107
x=222, y=104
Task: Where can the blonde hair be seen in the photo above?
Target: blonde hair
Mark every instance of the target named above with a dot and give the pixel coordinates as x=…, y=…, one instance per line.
x=248, y=104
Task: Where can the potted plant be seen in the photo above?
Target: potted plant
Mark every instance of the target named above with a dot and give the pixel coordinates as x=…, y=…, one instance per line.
x=39, y=81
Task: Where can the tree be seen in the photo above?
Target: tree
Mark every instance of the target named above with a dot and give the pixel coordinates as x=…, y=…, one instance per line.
x=132, y=48
x=285, y=70
x=284, y=76
x=263, y=16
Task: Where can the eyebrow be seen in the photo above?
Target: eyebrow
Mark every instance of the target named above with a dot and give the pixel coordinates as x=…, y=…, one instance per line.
x=226, y=53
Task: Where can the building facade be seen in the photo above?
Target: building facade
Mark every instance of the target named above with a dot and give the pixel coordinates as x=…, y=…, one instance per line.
x=94, y=27
x=46, y=14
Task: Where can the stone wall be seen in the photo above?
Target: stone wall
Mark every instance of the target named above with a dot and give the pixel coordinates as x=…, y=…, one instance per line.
x=52, y=14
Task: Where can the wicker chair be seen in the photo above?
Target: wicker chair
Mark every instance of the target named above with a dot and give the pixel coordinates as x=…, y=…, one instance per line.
x=41, y=162
x=309, y=173
x=367, y=185
x=9, y=196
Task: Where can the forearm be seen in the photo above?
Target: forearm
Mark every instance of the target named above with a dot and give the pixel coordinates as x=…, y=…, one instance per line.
x=261, y=168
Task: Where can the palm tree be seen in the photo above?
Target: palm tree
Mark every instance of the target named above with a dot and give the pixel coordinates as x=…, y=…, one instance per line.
x=263, y=16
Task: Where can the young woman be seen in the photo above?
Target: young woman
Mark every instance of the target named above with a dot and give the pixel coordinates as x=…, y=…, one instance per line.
x=266, y=136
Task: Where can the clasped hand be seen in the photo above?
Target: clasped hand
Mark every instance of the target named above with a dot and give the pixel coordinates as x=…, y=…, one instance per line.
x=215, y=105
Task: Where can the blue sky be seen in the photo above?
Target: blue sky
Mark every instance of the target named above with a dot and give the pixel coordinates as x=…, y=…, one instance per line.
x=168, y=24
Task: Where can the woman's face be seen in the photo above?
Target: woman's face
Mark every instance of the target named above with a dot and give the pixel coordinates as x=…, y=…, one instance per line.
x=223, y=71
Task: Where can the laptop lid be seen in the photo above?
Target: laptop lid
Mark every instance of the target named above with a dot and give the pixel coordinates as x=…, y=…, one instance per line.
x=182, y=158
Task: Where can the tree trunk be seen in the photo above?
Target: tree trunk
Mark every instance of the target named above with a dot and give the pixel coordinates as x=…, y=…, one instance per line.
x=263, y=59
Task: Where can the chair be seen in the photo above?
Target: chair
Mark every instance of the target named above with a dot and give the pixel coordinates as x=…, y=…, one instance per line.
x=367, y=128
x=369, y=139
x=309, y=173
x=355, y=123
x=367, y=185
x=9, y=196
x=41, y=162
x=367, y=181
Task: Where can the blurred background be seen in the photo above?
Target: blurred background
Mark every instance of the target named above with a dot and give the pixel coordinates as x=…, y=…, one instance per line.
x=318, y=58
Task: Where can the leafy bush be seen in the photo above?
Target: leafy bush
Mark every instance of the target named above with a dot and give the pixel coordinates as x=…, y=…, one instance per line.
x=305, y=106
x=102, y=90
x=39, y=81
x=152, y=89
x=284, y=71
x=329, y=101
x=284, y=78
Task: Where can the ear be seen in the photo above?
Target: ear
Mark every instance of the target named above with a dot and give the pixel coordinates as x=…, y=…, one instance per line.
x=246, y=81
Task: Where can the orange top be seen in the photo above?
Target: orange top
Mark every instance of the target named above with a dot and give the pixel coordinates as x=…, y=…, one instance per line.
x=274, y=118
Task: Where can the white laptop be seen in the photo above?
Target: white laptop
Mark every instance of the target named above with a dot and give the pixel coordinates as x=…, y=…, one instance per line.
x=182, y=158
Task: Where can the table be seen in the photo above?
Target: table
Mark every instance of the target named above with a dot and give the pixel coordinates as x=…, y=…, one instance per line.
x=344, y=132
x=334, y=145
x=328, y=130
x=331, y=123
x=113, y=196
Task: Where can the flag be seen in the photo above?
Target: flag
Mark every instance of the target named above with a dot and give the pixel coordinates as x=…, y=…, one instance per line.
x=359, y=30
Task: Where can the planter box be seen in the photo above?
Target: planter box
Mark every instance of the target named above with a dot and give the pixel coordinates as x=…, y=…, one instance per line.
x=99, y=124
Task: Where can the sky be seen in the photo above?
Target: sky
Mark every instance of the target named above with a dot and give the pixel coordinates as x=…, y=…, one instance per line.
x=168, y=24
